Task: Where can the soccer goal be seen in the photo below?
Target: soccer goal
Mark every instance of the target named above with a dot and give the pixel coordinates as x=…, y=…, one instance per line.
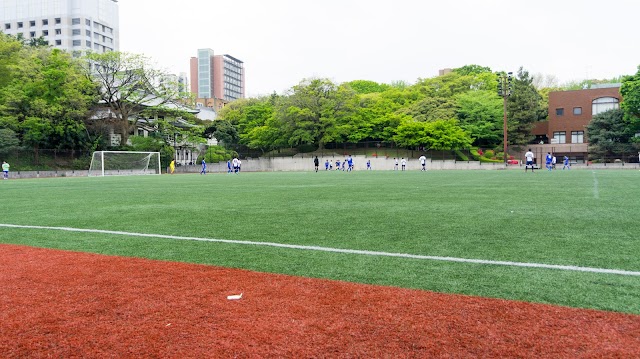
x=124, y=163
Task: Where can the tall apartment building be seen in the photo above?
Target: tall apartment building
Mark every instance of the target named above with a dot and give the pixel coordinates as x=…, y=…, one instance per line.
x=73, y=25
x=216, y=79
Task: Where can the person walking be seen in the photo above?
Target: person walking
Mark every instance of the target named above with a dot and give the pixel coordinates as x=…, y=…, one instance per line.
x=423, y=162
x=172, y=166
x=566, y=163
x=204, y=168
x=316, y=163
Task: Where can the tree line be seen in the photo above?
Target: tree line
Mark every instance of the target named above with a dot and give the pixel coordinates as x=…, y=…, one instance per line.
x=49, y=99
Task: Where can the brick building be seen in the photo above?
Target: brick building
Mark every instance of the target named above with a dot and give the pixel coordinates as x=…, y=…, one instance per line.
x=565, y=132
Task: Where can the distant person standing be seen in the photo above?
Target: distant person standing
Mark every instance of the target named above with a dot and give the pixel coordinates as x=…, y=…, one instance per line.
x=368, y=165
x=326, y=165
x=553, y=162
x=204, y=168
x=548, y=161
x=228, y=166
x=235, y=164
x=423, y=162
x=350, y=163
x=316, y=163
x=5, y=170
x=404, y=163
x=528, y=160
x=239, y=165
x=395, y=166
x=172, y=166
x=566, y=163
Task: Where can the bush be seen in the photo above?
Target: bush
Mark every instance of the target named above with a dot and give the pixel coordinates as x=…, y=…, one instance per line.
x=215, y=154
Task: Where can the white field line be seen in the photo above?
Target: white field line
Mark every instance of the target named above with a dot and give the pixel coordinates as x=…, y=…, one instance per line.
x=338, y=250
x=596, y=192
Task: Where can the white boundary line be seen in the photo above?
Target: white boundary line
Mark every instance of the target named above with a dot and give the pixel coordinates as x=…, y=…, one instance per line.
x=338, y=250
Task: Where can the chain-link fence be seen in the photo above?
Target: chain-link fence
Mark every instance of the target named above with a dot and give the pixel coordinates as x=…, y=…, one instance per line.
x=46, y=160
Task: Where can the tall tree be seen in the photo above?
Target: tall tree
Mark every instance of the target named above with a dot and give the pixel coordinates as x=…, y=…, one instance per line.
x=480, y=114
x=128, y=84
x=524, y=108
x=610, y=135
x=630, y=91
x=436, y=135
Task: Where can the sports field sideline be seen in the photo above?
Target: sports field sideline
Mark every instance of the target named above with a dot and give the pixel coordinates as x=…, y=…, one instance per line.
x=569, y=219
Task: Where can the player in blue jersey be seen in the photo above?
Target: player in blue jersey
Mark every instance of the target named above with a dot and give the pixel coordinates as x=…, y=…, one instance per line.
x=548, y=161
x=326, y=165
x=566, y=163
x=204, y=168
x=368, y=165
x=337, y=165
x=229, y=166
x=350, y=163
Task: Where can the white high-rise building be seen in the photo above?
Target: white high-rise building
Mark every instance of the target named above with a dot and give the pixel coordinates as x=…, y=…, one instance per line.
x=72, y=25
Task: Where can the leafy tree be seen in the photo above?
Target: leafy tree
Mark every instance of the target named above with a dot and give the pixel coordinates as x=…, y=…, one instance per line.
x=312, y=110
x=128, y=84
x=8, y=140
x=224, y=132
x=609, y=135
x=524, y=108
x=472, y=70
x=481, y=115
x=437, y=135
x=431, y=109
x=365, y=86
x=630, y=91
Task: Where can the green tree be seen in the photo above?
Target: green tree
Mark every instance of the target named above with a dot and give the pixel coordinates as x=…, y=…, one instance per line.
x=128, y=84
x=630, y=91
x=610, y=135
x=8, y=140
x=436, y=135
x=481, y=115
x=366, y=86
x=524, y=108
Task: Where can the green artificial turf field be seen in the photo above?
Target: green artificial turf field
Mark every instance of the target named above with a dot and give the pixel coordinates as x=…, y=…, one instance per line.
x=572, y=218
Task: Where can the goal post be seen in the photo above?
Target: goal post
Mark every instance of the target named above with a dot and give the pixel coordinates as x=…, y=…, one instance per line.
x=124, y=163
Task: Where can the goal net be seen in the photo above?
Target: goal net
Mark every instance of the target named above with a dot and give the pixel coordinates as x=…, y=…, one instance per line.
x=124, y=163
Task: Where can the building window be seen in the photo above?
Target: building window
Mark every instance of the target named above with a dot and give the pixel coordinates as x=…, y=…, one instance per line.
x=19, y=25
x=87, y=22
x=32, y=34
x=58, y=31
x=75, y=32
x=559, y=111
x=32, y=23
x=88, y=33
x=75, y=21
x=577, y=111
x=7, y=26
x=577, y=136
x=604, y=104
x=88, y=43
x=45, y=32
x=77, y=42
x=58, y=21
x=45, y=22
x=58, y=42
x=560, y=137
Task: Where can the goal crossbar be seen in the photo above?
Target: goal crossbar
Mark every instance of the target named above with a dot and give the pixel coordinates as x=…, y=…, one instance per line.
x=124, y=163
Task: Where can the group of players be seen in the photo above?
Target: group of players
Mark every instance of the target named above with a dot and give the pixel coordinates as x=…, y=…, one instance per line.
x=549, y=160
x=347, y=164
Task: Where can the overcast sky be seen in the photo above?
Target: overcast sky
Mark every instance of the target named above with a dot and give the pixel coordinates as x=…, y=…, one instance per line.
x=282, y=42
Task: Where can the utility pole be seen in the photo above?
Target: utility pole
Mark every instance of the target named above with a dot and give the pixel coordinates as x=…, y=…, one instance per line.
x=505, y=82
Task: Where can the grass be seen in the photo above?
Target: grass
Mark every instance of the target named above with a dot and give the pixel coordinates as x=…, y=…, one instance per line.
x=580, y=218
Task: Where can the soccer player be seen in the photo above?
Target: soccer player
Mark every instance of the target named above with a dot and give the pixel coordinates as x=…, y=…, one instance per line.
x=553, y=162
x=528, y=160
x=228, y=166
x=423, y=162
x=404, y=163
x=204, y=168
x=316, y=163
x=368, y=165
x=337, y=165
x=235, y=165
x=5, y=170
x=326, y=165
x=395, y=166
x=566, y=163
x=548, y=161
x=172, y=166
x=350, y=163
